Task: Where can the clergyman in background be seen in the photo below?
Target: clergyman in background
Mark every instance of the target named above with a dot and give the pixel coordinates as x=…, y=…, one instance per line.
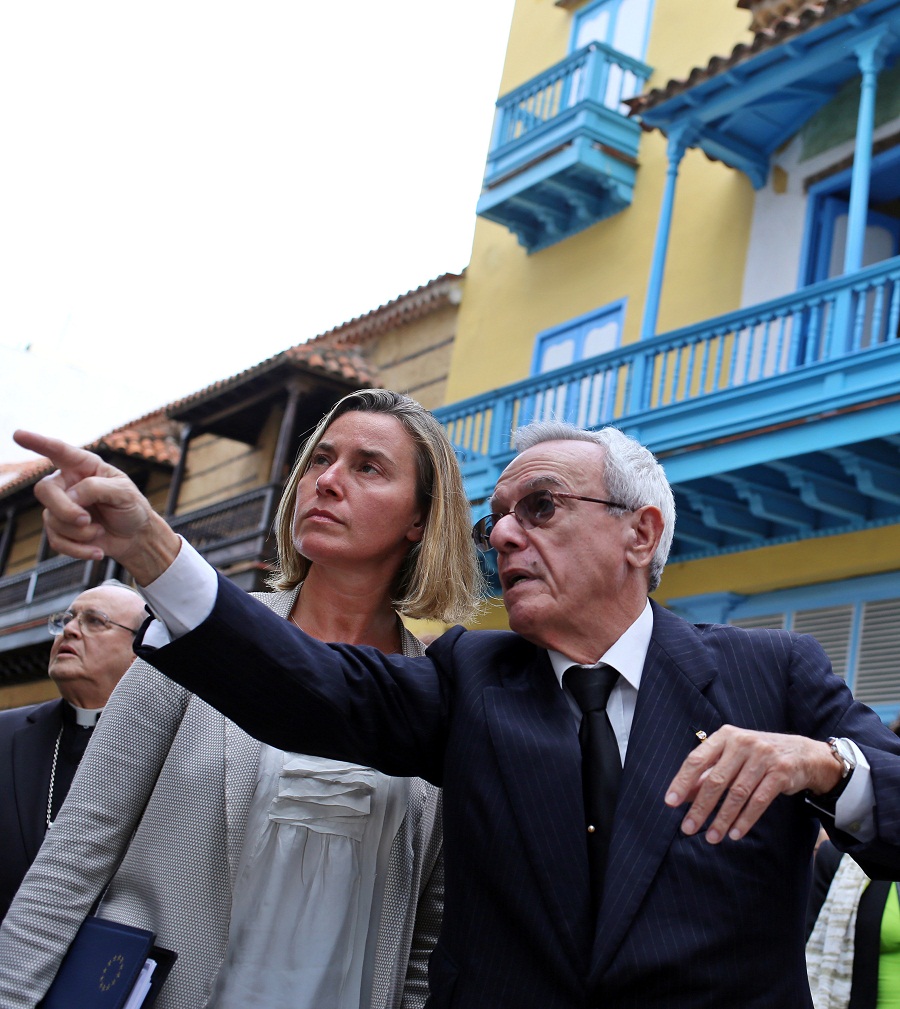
x=41, y=745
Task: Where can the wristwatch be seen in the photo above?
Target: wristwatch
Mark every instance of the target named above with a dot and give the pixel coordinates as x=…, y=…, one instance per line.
x=843, y=754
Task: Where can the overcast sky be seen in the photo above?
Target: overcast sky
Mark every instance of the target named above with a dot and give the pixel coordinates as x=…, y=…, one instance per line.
x=188, y=188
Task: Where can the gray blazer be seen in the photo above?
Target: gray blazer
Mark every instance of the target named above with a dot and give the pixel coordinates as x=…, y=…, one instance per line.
x=156, y=819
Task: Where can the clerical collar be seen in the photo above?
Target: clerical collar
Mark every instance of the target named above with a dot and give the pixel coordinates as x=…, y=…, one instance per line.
x=85, y=717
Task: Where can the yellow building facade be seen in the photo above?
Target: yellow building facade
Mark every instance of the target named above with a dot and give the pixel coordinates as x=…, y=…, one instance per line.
x=689, y=228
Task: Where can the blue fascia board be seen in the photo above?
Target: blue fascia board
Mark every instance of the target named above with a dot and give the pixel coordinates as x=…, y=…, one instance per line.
x=724, y=549
x=734, y=547
x=861, y=590
x=524, y=202
x=826, y=47
x=610, y=172
x=824, y=55
x=588, y=121
x=761, y=447
x=707, y=607
x=691, y=461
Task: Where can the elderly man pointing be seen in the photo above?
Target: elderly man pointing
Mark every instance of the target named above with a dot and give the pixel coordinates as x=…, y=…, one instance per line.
x=630, y=800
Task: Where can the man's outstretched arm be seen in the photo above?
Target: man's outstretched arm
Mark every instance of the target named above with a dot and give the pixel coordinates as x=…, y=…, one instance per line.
x=92, y=509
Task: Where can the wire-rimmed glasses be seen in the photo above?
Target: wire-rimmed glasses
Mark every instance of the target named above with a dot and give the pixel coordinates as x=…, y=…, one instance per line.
x=90, y=622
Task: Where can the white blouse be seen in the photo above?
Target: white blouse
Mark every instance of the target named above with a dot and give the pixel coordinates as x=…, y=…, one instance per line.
x=309, y=885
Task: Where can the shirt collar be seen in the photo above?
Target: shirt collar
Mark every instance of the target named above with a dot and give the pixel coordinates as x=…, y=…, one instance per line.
x=86, y=717
x=627, y=655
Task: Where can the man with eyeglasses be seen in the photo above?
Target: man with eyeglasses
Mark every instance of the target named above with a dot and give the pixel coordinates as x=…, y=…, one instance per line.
x=42, y=745
x=676, y=881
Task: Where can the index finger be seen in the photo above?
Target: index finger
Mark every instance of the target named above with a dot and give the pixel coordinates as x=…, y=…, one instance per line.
x=64, y=456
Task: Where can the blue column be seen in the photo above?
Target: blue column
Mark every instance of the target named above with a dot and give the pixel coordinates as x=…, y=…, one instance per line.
x=870, y=54
x=678, y=144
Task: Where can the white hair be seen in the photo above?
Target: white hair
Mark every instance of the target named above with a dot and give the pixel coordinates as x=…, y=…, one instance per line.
x=631, y=473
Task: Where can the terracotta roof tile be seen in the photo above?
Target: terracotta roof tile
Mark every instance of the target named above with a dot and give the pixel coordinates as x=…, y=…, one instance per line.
x=12, y=473
x=153, y=437
x=443, y=290
x=767, y=13
x=347, y=364
x=774, y=23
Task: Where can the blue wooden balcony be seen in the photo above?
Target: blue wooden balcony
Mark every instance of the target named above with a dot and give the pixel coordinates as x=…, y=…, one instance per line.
x=563, y=152
x=774, y=423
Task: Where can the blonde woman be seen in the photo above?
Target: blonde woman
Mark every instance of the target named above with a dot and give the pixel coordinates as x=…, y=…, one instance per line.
x=280, y=880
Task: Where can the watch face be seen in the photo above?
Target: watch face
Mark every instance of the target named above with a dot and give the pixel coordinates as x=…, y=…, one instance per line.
x=844, y=752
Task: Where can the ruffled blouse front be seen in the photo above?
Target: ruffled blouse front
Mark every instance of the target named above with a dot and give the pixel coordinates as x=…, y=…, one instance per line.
x=309, y=885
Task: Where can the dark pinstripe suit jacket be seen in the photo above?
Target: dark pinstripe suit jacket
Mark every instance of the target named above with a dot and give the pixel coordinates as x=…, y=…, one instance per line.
x=683, y=923
x=27, y=738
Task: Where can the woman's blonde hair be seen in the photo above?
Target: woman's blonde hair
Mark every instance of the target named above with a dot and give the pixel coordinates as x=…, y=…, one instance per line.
x=440, y=578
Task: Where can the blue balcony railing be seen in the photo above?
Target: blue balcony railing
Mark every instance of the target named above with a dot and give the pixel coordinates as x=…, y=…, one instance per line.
x=563, y=150
x=826, y=347
x=597, y=74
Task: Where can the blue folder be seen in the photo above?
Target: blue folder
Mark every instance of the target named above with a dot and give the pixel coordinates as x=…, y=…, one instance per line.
x=102, y=965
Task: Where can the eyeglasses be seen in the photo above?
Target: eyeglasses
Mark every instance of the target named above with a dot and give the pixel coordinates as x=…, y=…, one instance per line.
x=531, y=512
x=90, y=622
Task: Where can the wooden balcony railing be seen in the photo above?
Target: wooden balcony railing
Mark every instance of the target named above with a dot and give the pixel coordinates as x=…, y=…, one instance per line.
x=49, y=578
x=228, y=522
x=220, y=531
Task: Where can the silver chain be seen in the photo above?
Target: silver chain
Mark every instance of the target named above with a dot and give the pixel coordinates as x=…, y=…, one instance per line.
x=53, y=779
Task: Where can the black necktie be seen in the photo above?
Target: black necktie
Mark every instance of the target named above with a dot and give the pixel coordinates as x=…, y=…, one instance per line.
x=601, y=765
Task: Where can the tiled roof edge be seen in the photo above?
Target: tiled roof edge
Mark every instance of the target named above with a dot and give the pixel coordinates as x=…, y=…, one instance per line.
x=344, y=363
x=803, y=17
x=402, y=310
x=153, y=438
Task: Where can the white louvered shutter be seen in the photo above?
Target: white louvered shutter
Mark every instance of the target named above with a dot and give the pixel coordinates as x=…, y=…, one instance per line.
x=878, y=666
x=831, y=627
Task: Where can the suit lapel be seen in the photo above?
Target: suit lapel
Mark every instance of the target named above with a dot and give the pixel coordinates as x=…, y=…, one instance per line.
x=32, y=758
x=671, y=708
x=534, y=738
